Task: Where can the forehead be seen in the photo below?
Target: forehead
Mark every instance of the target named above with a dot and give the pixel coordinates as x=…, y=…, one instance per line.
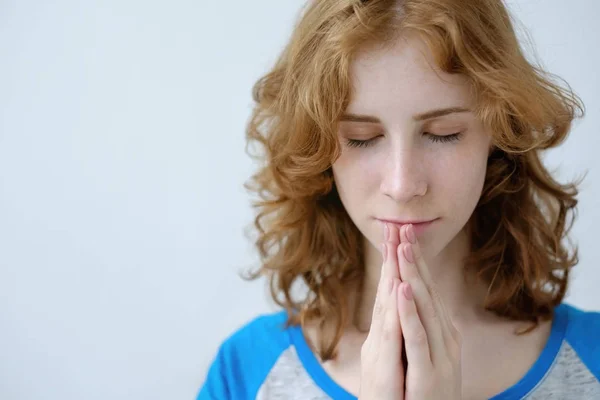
x=402, y=78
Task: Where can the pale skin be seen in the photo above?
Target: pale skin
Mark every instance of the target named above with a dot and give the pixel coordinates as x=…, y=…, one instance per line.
x=409, y=164
x=408, y=304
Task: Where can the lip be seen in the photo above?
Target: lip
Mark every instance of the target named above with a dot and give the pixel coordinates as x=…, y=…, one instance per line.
x=406, y=222
x=419, y=225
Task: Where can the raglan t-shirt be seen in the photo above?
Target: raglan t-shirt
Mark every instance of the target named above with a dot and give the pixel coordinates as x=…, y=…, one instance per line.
x=265, y=361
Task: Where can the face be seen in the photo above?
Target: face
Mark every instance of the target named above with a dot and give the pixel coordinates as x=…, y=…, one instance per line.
x=402, y=158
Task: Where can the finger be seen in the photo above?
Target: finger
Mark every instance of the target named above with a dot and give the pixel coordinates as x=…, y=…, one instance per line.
x=389, y=351
x=427, y=311
x=384, y=289
x=389, y=271
x=393, y=240
x=389, y=267
x=415, y=336
x=448, y=329
x=408, y=235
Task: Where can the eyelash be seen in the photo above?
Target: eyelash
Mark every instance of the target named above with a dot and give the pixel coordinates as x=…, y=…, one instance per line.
x=434, y=138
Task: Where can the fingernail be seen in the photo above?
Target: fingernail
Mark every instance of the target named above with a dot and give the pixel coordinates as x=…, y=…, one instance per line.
x=410, y=233
x=408, y=293
x=384, y=251
x=408, y=254
x=386, y=232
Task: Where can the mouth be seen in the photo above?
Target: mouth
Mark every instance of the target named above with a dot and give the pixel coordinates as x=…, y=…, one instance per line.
x=420, y=226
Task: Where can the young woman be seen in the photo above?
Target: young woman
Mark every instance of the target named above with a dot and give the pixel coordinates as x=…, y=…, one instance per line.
x=403, y=187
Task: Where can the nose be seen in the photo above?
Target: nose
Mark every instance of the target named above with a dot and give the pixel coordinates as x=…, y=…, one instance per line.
x=403, y=177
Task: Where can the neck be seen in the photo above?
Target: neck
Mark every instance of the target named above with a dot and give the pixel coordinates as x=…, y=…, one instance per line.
x=463, y=298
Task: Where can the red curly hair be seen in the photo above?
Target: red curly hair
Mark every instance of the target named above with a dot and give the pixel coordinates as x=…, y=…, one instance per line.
x=304, y=234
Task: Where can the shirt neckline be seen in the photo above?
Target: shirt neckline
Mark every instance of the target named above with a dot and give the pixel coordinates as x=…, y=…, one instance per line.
x=525, y=385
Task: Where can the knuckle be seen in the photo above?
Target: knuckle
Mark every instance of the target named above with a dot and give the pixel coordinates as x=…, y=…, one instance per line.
x=378, y=310
x=435, y=294
x=387, y=333
x=420, y=337
x=432, y=311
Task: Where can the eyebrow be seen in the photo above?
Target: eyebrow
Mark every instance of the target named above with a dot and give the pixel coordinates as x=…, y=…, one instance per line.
x=419, y=117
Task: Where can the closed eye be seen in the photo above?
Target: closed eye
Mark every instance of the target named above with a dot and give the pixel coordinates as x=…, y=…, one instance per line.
x=454, y=137
x=360, y=143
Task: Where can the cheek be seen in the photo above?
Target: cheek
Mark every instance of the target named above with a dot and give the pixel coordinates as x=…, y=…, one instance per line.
x=357, y=169
x=356, y=176
x=461, y=178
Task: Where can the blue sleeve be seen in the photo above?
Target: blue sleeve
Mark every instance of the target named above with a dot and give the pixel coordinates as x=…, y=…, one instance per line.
x=245, y=359
x=216, y=385
x=583, y=335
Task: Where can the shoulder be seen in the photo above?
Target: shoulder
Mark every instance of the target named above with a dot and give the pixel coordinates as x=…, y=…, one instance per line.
x=583, y=333
x=245, y=358
x=264, y=328
x=583, y=327
x=264, y=335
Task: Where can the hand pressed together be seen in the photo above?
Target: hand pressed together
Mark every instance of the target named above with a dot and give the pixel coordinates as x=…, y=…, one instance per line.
x=409, y=306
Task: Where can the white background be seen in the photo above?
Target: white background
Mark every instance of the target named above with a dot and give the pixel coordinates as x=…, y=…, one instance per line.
x=121, y=169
